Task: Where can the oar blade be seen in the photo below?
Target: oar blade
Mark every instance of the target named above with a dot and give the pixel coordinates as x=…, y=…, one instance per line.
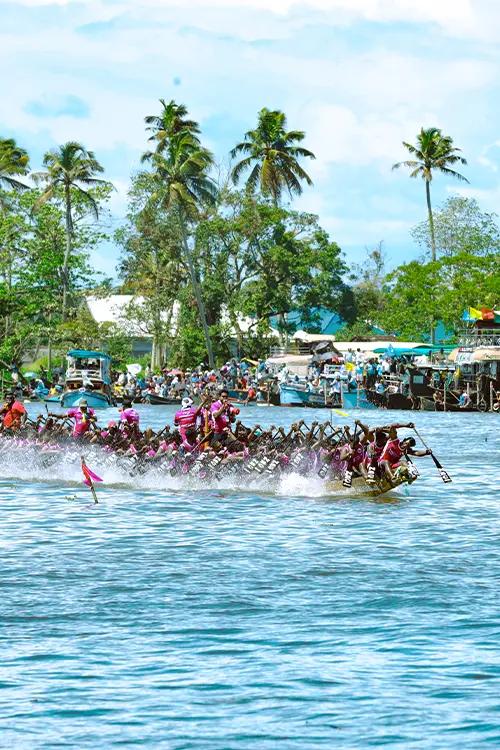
x=445, y=476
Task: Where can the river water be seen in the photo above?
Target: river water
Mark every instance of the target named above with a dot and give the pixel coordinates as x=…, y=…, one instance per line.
x=254, y=617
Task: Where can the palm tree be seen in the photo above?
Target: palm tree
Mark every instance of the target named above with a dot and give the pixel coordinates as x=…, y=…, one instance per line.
x=70, y=168
x=14, y=161
x=272, y=154
x=434, y=152
x=181, y=172
x=171, y=120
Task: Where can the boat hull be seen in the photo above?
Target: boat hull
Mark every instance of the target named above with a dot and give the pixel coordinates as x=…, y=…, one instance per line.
x=292, y=396
x=427, y=404
x=353, y=400
x=155, y=400
x=94, y=399
x=360, y=488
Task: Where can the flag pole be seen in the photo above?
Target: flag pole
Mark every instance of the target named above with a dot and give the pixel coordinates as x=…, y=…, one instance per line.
x=89, y=482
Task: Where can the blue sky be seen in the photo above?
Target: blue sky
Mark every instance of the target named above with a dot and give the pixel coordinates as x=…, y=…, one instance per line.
x=358, y=76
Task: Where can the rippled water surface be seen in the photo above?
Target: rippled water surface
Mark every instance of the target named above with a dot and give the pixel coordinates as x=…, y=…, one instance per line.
x=238, y=617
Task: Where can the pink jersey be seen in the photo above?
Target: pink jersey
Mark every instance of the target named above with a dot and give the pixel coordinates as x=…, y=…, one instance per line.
x=130, y=416
x=222, y=422
x=358, y=455
x=186, y=418
x=373, y=453
x=82, y=422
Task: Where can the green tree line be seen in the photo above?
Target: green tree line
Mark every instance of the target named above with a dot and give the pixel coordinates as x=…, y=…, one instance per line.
x=210, y=257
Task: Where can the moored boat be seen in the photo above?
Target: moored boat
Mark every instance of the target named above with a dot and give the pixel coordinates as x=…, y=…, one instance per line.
x=87, y=379
x=156, y=400
x=298, y=394
x=357, y=399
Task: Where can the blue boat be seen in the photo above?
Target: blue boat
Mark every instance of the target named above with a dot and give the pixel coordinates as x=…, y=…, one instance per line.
x=353, y=400
x=88, y=379
x=298, y=394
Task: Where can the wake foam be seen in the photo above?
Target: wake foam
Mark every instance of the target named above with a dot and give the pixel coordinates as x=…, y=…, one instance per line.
x=63, y=465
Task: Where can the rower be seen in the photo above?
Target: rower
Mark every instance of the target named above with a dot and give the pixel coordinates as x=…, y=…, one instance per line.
x=187, y=416
x=222, y=414
x=84, y=418
x=128, y=415
x=13, y=413
x=395, y=450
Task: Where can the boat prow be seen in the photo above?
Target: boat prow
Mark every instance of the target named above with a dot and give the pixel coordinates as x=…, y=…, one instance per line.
x=360, y=488
x=94, y=399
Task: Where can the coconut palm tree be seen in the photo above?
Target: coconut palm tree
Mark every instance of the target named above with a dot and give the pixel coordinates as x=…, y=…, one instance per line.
x=14, y=161
x=70, y=168
x=433, y=152
x=171, y=120
x=181, y=172
x=272, y=153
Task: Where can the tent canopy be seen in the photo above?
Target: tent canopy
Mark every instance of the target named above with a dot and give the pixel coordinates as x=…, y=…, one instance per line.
x=84, y=354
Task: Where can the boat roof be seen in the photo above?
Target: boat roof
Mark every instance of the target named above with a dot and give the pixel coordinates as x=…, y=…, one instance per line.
x=85, y=354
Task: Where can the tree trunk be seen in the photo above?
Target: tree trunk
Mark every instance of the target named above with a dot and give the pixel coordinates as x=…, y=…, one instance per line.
x=433, y=245
x=197, y=293
x=67, y=251
x=431, y=219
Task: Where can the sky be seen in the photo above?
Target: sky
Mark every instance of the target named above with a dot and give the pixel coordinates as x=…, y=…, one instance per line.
x=358, y=76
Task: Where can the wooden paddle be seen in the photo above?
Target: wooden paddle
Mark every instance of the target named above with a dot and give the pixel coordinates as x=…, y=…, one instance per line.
x=443, y=473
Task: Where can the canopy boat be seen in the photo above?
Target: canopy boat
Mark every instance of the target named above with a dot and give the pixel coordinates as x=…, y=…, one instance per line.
x=88, y=379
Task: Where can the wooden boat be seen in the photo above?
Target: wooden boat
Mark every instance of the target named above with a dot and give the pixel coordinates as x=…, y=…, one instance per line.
x=239, y=396
x=360, y=488
x=88, y=379
x=357, y=399
x=298, y=394
x=155, y=400
x=428, y=404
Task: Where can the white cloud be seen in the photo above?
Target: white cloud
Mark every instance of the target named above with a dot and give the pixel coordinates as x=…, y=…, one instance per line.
x=356, y=103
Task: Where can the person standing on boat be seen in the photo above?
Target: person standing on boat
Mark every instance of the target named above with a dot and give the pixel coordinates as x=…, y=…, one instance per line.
x=222, y=414
x=187, y=416
x=128, y=415
x=84, y=418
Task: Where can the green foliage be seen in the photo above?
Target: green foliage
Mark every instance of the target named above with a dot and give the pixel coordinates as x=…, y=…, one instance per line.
x=433, y=152
x=357, y=331
x=271, y=153
x=260, y=260
x=14, y=161
x=422, y=293
x=460, y=227
x=32, y=257
x=413, y=293
x=368, y=287
x=82, y=331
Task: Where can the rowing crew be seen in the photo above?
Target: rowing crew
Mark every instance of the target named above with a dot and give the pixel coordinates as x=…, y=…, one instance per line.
x=224, y=446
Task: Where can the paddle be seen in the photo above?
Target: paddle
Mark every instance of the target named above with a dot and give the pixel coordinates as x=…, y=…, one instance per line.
x=443, y=473
x=347, y=479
